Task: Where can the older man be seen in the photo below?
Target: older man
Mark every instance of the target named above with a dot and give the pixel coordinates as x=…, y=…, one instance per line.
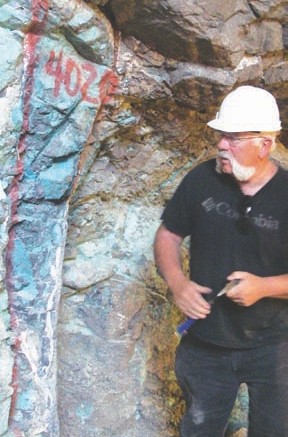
x=235, y=211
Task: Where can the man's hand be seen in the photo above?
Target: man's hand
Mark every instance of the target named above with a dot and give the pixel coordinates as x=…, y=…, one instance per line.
x=188, y=296
x=249, y=289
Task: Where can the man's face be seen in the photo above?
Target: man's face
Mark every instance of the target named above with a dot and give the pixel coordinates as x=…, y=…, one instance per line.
x=238, y=154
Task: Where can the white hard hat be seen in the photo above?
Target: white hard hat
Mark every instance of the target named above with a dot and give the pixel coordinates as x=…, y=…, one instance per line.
x=247, y=109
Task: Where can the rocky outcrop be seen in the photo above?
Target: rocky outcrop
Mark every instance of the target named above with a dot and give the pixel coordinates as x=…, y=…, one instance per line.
x=213, y=45
x=103, y=109
x=51, y=94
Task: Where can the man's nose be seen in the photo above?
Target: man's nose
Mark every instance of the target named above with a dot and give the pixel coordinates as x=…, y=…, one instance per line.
x=223, y=143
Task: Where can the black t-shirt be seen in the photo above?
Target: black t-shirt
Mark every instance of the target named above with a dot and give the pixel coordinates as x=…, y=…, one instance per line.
x=207, y=207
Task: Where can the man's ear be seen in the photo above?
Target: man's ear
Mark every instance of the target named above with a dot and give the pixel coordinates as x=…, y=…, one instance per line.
x=265, y=147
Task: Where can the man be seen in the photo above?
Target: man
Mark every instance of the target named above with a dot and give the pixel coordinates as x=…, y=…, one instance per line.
x=235, y=211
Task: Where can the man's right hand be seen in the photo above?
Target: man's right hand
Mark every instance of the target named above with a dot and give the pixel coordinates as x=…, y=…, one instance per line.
x=189, y=297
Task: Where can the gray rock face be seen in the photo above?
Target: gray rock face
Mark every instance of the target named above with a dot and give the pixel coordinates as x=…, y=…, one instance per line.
x=103, y=110
x=211, y=33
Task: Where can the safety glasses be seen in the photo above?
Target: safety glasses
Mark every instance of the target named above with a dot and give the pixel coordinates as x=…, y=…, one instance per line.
x=235, y=140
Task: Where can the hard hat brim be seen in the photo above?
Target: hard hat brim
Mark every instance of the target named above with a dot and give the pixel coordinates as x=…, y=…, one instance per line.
x=220, y=125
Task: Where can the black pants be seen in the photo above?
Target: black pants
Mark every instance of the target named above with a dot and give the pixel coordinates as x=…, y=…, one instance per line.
x=210, y=377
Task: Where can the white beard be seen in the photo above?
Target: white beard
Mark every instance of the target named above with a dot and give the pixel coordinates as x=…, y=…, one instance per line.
x=240, y=172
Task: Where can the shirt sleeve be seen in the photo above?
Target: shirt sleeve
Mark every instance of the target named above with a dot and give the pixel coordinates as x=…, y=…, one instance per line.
x=178, y=213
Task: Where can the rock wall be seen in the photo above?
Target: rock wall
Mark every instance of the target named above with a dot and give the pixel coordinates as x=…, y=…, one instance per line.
x=103, y=108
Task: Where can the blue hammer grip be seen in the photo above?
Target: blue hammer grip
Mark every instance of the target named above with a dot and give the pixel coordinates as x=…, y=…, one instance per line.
x=185, y=326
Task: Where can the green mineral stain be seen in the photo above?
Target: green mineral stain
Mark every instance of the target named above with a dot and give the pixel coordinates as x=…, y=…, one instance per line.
x=84, y=411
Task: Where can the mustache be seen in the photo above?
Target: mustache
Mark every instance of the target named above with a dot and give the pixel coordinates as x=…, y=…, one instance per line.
x=224, y=154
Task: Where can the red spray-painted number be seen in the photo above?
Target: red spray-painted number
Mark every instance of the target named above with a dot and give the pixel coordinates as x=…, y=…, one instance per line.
x=73, y=77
